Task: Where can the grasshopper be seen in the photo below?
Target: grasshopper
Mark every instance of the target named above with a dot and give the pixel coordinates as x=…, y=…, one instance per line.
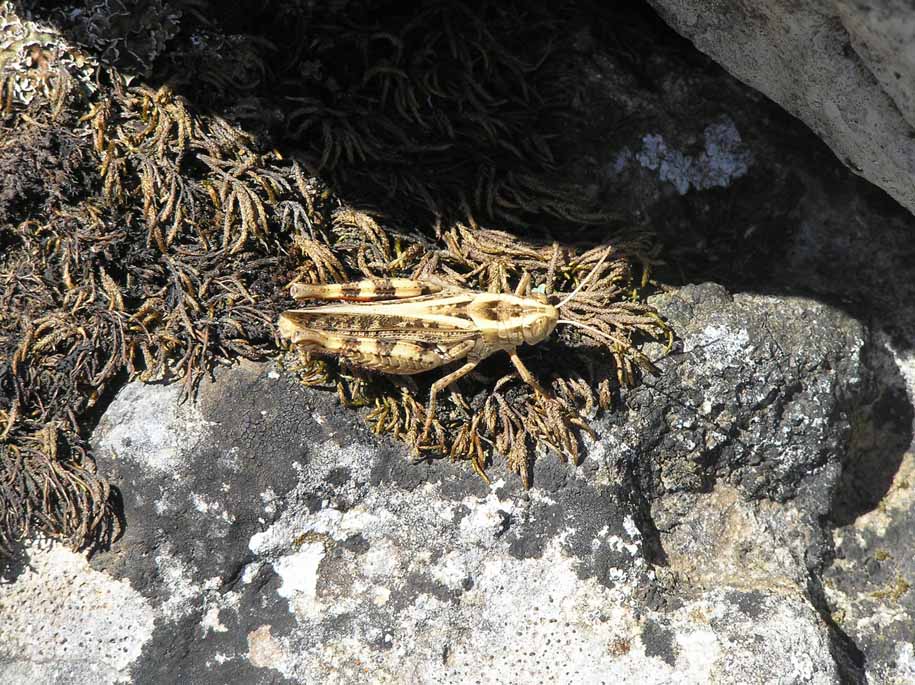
x=401, y=326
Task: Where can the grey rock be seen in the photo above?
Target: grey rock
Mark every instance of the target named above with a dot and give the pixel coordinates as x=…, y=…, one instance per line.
x=756, y=394
x=63, y=622
x=844, y=67
x=869, y=584
x=271, y=538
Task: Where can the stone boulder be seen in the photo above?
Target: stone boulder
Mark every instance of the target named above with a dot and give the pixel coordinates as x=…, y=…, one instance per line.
x=845, y=68
x=271, y=538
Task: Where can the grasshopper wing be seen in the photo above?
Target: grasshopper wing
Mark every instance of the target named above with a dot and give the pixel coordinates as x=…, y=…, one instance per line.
x=365, y=291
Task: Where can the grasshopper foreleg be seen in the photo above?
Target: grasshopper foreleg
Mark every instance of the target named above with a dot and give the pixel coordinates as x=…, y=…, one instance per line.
x=526, y=374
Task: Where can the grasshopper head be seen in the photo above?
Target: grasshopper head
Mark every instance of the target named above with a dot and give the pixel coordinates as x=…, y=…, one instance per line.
x=538, y=321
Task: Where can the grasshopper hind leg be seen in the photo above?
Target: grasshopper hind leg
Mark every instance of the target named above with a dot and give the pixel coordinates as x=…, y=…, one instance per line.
x=437, y=387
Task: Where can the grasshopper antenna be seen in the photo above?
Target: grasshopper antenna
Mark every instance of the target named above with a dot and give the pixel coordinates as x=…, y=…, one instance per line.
x=587, y=278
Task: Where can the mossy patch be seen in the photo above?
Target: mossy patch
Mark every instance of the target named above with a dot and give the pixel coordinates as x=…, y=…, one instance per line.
x=152, y=238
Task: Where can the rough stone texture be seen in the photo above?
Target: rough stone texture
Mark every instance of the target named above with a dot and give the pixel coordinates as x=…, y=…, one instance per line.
x=845, y=67
x=746, y=517
x=274, y=540
x=66, y=623
x=761, y=387
x=869, y=585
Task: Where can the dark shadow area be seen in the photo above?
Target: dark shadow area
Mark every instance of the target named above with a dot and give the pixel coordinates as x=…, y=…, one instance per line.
x=881, y=435
x=13, y=562
x=427, y=112
x=652, y=546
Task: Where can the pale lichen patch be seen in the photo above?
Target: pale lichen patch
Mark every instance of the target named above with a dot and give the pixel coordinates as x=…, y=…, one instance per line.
x=62, y=621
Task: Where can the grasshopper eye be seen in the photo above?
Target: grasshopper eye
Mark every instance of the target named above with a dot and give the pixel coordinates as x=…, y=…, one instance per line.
x=539, y=327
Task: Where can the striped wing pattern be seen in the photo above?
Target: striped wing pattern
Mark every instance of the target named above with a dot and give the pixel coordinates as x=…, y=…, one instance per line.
x=402, y=336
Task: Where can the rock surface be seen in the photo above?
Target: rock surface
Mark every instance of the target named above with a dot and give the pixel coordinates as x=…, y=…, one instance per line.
x=270, y=538
x=64, y=622
x=745, y=517
x=846, y=68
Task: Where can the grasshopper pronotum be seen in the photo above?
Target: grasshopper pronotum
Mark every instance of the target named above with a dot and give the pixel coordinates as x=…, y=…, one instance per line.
x=401, y=326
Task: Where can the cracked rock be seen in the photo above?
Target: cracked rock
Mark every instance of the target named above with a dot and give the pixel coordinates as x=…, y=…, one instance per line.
x=271, y=538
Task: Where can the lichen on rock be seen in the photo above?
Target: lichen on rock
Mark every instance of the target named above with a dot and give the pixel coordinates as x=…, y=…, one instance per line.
x=741, y=515
x=345, y=562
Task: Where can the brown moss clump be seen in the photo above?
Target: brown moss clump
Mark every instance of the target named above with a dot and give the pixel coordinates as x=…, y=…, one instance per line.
x=588, y=365
x=152, y=240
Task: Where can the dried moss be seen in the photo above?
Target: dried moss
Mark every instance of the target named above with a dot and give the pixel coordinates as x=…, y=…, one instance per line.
x=173, y=252
x=587, y=365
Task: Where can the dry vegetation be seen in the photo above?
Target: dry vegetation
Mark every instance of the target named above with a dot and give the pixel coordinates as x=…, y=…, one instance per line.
x=148, y=237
